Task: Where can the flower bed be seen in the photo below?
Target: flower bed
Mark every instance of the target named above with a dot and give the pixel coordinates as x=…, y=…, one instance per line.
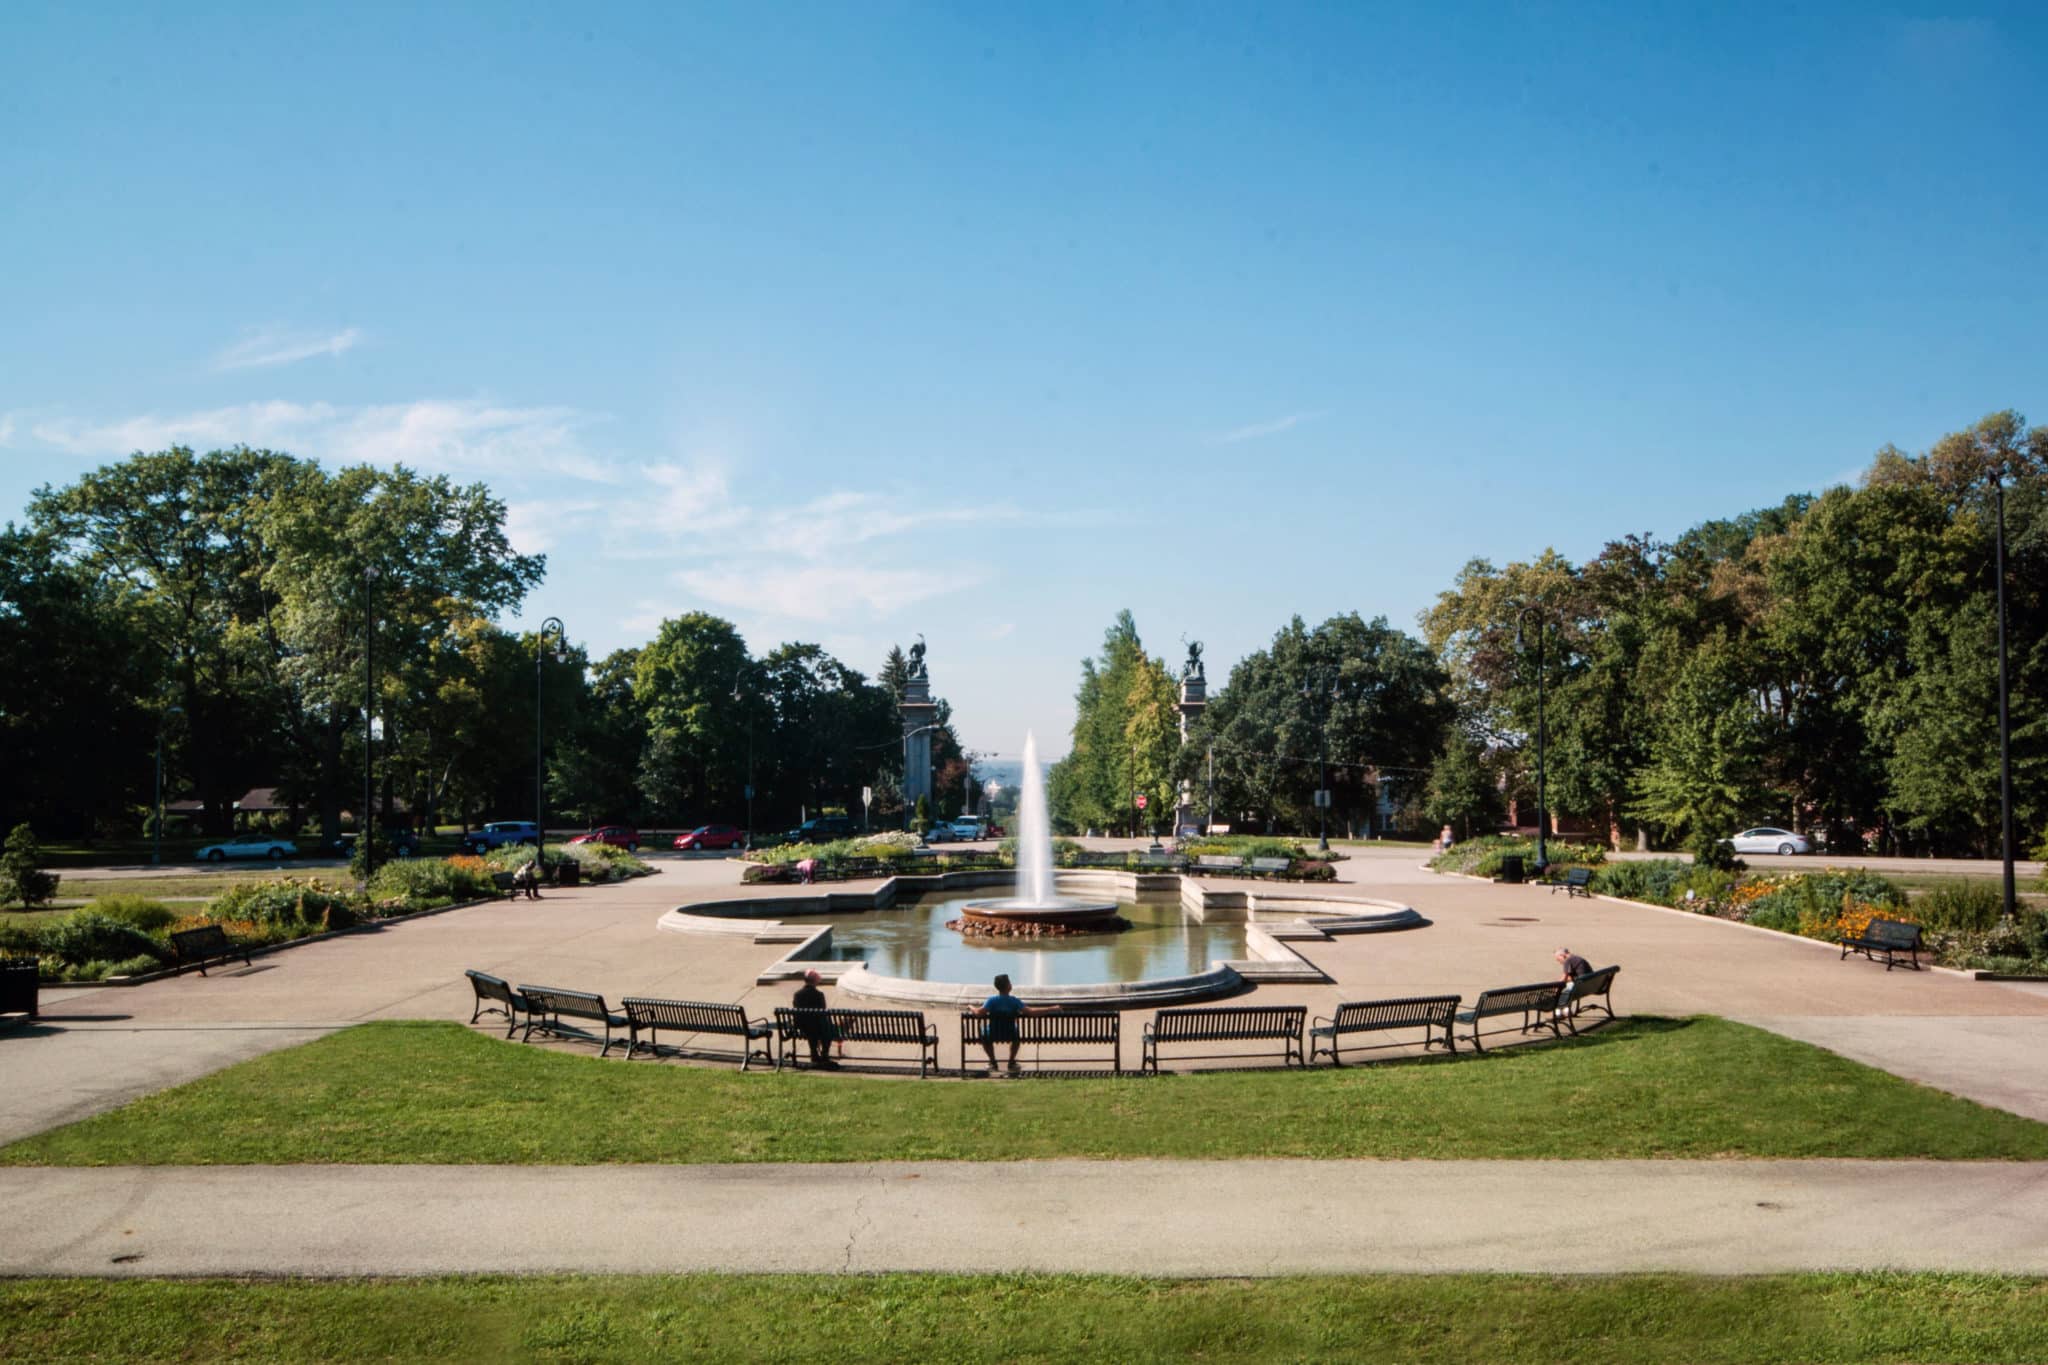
x=1482, y=857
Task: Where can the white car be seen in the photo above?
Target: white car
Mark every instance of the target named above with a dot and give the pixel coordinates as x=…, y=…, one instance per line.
x=249, y=846
x=1765, y=839
x=946, y=831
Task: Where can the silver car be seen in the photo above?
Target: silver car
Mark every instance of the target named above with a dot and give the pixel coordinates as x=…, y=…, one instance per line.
x=249, y=846
x=1766, y=839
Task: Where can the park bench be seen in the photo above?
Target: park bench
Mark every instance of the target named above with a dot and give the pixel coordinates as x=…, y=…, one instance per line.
x=1148, y=861
x=694, y=1016
x=207, y=943
x=1426, y=1012
x=494, y=995
x=1585, y=990
x=1269, y=867
x=546, y=1005
x=1889, y=937
x=1220, y=863
x=906, y=1027
x=1226, y=1024
x=1077, y=1028
x=502, y=880
x=1536, y=1003
x=1577, y=881
x=855, y=869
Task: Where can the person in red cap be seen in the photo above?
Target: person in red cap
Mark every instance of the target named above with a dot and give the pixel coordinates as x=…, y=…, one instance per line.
x=817, y=1027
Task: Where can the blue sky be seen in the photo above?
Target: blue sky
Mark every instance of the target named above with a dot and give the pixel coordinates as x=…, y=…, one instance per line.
x=850, y=322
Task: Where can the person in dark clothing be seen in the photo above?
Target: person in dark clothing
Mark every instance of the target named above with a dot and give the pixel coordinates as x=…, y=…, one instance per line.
x=817, y=1028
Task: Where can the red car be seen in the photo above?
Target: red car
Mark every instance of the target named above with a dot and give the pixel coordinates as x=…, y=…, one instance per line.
x=618, y=836
x=712, y=836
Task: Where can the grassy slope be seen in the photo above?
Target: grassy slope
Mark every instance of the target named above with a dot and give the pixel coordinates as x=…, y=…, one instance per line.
x=396, y=1092
x=1036, y=1318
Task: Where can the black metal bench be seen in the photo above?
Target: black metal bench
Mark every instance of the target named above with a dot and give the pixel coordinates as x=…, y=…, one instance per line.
x=1889, y=937
x=1536, y=1003
x=696, y=1016
x=1426, y=1012
x=1218, y=864
x=1585, y=990
x=545, y=1006
x=1577, y=881
x=1226, y=1024
x=1268, y=867
x=494, y=995
x=906, y=1027
x=207, y=943
x=1062, y=1028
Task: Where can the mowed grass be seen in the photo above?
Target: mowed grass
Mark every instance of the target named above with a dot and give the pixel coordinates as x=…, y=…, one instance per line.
x=1633, y=1318
x=438, y=1092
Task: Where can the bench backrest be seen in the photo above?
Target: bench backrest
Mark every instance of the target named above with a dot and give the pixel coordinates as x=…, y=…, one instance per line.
x=1063, y=1026
x=208, y=940
x=1578, y=876
x=1227, y=1022
x=490, y=987
x=1219, y=861
x=1594, y=983
x=854, y=1026
x=1155, y=860
x=1414, y=1011
x=1517, y=999
x=1893, y=933
x=554, y=1000
x=689, y=1016
x=1271, y=864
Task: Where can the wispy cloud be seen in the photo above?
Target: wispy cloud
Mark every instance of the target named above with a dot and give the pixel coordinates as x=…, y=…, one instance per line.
x=263, y=347
x=816, y=592
x=6, y=427
x=1258, y=429
x=448, y=435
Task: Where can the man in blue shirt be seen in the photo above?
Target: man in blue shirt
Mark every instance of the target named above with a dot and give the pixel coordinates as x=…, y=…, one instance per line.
x=1003, y=1010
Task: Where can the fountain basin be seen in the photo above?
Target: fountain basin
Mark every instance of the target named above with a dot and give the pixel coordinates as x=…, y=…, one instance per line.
x=1016, y=917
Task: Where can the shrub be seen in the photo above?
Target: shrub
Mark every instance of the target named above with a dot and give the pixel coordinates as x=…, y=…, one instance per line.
x=140, y=912
x=426, y=883
x=21, y=870
x=134, y=966
x=1655, y=880
x=1312, y=870
x=292, y=904
x=85, y=936
x=1969, y=904
x=1243, y=846
x=600, y=862
x=1482, y=857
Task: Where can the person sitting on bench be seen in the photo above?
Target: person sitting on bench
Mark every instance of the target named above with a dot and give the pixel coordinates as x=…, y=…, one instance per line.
x=1574, y=968
x=526, y=879
x=1004, y=1010
x=817, y=1028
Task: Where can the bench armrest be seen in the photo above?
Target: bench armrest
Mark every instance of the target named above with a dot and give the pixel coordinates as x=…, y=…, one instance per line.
x=1320, y=1020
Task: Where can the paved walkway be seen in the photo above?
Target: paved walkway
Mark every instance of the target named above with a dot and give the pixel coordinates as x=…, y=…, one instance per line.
x=1121, y=1217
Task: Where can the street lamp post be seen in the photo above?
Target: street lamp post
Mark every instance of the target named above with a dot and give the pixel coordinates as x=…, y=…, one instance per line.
x=1542, y=807
x=2004, y=701
x=749, y=792
x=1310, y=692
x=365, y=839
x=156, y=852
x=552, y=626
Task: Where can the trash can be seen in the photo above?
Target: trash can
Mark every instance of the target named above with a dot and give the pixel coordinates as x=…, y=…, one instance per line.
x=18, y=986
x=568, y=872
x=1511, y=868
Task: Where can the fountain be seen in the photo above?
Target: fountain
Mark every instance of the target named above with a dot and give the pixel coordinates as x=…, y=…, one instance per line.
x=1038, y=909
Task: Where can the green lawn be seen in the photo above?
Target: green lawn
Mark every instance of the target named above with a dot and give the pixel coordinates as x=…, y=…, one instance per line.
x=886, y=1318
x=436, y=1092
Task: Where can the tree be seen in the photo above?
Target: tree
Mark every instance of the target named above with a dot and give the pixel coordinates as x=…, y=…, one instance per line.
x=21, y=870
x=1123, y=740
x=1463, y=792
x=1703, y=777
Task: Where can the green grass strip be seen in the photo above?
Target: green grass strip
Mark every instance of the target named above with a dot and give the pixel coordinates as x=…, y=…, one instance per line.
x=1635, y=1318
x=436, y=1092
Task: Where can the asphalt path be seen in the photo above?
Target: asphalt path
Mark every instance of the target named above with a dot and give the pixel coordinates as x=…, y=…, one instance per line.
x=1109, y=1217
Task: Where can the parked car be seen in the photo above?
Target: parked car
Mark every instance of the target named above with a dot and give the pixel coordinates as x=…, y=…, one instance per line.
x=1766, y=839
x=499, y=833
x=946, y=831
x=398, y=843
x=249, y=846
x=823, y=830
x=711, y=836
x=618, y=836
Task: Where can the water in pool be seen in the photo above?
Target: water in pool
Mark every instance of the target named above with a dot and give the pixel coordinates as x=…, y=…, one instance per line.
x=912, y=940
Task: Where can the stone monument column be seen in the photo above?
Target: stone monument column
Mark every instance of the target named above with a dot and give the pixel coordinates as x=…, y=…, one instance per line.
x=1194, y=695
x=918, y=711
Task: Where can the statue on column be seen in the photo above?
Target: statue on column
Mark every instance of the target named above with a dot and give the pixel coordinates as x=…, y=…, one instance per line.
x=1192, y=669
x=917, y=658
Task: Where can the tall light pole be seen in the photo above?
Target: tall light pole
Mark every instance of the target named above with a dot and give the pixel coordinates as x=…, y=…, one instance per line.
x=1328, y=696
x=156, y=852
x=2004, y=701
x=739, y=701
x=1542, y=616
x=365, y=836
x=551, y=626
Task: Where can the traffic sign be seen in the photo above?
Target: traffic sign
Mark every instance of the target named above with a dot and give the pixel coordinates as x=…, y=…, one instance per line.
x=1323, y=798
x=1141, y=800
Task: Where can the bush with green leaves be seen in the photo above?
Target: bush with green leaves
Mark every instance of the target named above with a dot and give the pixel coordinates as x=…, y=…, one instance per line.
x=1482, y=857
x=289, y=903
x=150, y=916
x=21, y=870
x=1657, y=880
x=1245, y=846
x=429, y=883
x=1968, y=904
x=85, y=936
